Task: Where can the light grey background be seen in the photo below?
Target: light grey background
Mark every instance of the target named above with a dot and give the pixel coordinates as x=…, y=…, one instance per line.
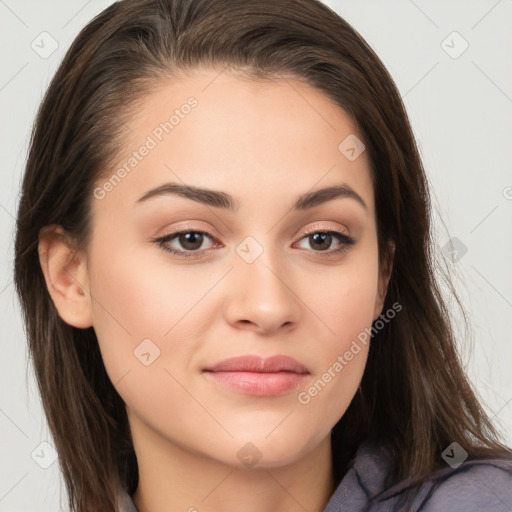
x=460, y=107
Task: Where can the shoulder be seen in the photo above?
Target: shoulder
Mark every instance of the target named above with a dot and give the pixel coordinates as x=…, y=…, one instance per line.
x=472, y=486
x=475, y=486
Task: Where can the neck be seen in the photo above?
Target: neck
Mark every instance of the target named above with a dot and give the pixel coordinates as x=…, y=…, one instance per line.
x=174, y=478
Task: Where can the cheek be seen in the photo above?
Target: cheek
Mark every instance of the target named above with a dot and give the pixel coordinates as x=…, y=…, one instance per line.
x=133, y=301
x=341, y=356
x=349, y=313
x=347, y=309
x=345, y=298
x=146, y=305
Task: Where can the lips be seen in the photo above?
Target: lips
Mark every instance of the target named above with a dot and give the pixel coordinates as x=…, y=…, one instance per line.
x=274, y=364
x=253, y=375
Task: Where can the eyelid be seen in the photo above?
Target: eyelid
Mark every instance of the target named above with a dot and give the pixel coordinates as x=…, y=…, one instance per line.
x=345, y=240
x=210, y=231
x=323, y=227
x=312, y=229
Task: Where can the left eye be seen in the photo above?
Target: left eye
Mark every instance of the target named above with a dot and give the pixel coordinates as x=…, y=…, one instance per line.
x=191, y=241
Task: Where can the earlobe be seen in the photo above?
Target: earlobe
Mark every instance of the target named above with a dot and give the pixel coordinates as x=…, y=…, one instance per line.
x=66, y=276
x=384, y=277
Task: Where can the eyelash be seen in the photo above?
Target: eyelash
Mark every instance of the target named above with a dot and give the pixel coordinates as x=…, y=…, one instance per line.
x=345, y=240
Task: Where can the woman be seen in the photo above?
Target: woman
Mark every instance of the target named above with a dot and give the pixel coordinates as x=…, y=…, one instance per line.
x=223, y=255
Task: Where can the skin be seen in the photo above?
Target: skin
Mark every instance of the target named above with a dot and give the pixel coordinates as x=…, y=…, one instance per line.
x=265, y=143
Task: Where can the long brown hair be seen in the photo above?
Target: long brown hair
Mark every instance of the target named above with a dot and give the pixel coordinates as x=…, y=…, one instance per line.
x=414, y=396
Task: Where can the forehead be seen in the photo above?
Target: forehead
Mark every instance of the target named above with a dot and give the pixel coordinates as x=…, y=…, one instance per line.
x=221, y=131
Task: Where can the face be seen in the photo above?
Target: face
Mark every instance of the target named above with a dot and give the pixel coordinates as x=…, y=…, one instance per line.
x=252, y=272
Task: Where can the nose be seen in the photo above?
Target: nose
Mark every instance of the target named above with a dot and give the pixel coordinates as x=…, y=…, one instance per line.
x=263, y=295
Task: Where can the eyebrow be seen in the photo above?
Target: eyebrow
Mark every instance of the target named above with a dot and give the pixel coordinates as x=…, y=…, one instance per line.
x=225, y=201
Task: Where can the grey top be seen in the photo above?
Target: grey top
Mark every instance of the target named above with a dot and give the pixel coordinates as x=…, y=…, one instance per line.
x=473, y=486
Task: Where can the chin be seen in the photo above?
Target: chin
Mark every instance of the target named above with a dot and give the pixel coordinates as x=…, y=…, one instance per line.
x=260, y=450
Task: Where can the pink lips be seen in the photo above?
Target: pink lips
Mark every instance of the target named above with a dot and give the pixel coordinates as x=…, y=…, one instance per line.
x=254, y=375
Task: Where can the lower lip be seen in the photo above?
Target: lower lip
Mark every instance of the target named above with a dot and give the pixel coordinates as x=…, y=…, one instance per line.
x=257, y=383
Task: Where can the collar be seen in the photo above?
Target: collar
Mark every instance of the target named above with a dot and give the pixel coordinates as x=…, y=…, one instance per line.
x=368, y=475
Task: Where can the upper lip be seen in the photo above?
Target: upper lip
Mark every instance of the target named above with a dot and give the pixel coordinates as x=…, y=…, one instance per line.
x=253, y=363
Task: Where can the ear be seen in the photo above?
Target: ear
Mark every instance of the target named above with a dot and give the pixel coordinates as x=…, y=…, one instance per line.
x=66, y=275
x=384, y=276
